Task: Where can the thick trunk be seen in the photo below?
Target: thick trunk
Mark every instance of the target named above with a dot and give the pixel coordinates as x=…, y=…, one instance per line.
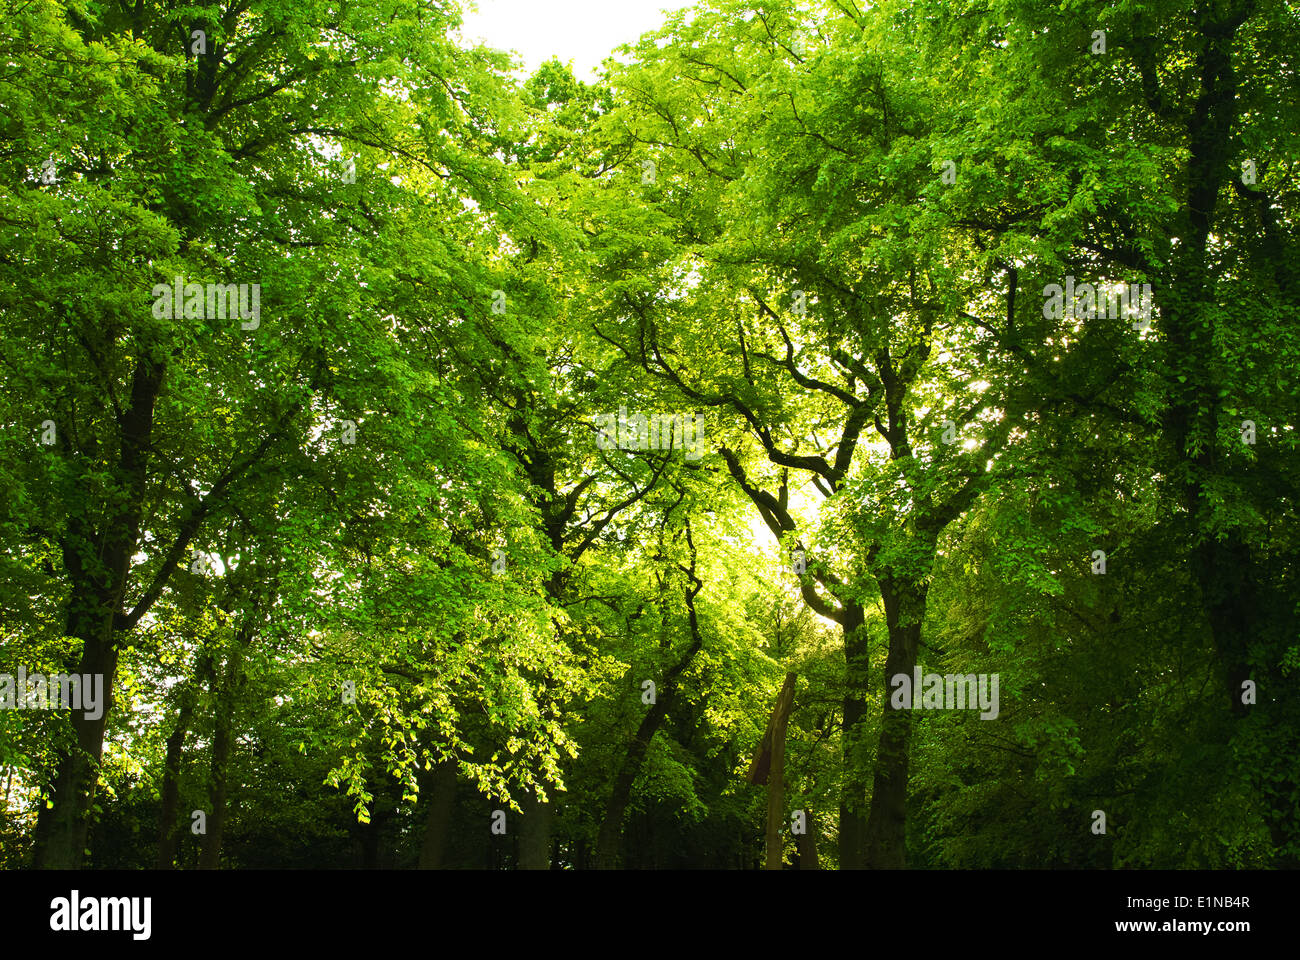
x=609, y=841
x=1225, y=572
x=372, y=840
x=887, y=825
x=441, y=787
x=63, y=827
x=768, y=766
x=210, y=858
x=853, y=746
x=776, y=777
x=168, y=827
x=1221, y=569
x=535, y=834
x=97, y=564
x=806, y=843
x=1225, y=567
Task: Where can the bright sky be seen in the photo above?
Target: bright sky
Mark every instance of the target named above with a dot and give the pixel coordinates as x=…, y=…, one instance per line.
x=583, y=31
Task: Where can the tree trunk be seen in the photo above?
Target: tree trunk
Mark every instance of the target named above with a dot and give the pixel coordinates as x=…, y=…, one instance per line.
x=768, y=767
x=1220, y=569
x=535, y=834
x=168, y=827
x=887, y=824
x=806, y=844
x=372, y=839
x=853, y=734
x=226, y=698
x=1225, y=569
x=609, y=840
x=97, y=564
x=776, y=780
x=441, y=786
x=63, y=827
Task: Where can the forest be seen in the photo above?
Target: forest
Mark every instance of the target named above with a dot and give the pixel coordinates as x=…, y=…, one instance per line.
x=843, y=435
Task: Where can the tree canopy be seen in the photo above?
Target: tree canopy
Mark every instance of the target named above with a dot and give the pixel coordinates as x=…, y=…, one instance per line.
x=840, y=436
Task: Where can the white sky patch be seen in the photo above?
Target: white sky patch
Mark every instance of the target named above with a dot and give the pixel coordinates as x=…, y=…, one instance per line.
x=582, y=31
